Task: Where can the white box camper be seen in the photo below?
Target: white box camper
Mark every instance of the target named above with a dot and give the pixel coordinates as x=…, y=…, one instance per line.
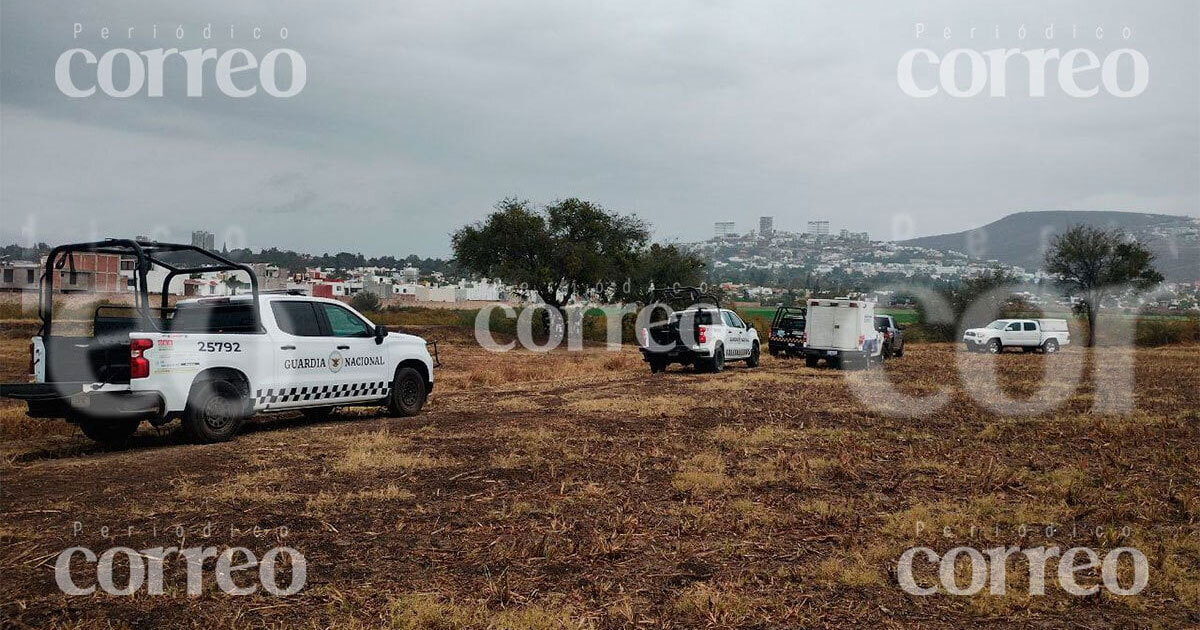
x=842, y=332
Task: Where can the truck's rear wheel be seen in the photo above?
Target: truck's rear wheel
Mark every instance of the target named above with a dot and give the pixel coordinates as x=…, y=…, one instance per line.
x=408, y=393
x=110, y=432
x=899, y=351
x=717, y=362
x=215, y=411
x=657, y=365
x=752, y=361
x=811, y=361
x=1050, y=347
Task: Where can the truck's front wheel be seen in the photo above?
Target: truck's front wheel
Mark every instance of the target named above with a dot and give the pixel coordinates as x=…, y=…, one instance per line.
x=752, y=360
x=994, y=346
x=109, y=432
x=1050, y=347
x=408, y=393
x=215, y=411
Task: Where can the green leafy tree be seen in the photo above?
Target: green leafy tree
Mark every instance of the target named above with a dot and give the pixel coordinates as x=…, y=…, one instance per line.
x=1091, y=263
x=570, y=247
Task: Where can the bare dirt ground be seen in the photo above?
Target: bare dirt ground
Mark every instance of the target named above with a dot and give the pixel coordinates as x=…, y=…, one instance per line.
x=577, y=490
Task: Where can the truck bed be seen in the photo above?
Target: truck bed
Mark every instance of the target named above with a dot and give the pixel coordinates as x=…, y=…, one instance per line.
x=103, y=359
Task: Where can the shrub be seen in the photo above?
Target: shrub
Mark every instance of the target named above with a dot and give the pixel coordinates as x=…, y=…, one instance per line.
x=365, y=301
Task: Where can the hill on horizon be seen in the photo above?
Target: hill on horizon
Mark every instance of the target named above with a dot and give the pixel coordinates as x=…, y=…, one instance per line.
x=1021, y=238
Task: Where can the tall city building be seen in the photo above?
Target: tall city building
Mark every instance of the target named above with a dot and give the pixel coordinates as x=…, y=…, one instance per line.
x=204, y=240
x=721, y=229
x=766, y=225
x=818, y=228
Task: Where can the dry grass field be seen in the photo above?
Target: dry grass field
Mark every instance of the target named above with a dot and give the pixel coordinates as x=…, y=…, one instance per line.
x=577, y=490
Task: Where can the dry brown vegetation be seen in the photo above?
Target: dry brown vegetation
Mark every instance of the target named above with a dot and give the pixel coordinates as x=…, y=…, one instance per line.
x=577, y=490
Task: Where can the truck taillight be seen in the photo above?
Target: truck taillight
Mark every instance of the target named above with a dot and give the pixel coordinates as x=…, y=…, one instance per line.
x=139, y=365
x=700, y=334
x=31, y=357
x=861, y=340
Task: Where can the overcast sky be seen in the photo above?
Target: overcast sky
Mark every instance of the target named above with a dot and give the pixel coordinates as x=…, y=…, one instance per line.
x=418, y=116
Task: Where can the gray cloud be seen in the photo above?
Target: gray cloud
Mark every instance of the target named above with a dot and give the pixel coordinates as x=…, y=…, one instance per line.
x=417, y=117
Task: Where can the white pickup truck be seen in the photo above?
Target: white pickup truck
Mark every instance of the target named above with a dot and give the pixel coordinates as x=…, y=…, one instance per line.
x=704, y=335
x=1047, y=335
x=213, y=362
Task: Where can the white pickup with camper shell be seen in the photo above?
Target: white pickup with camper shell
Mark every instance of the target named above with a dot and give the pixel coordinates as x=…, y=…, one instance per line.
x=1047, y=335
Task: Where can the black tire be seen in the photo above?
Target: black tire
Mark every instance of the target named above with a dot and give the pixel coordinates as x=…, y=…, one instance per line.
x=215, y=411
x=811, y=361
x=994, y=346
x=752, y=360
x=886, y=353
x=110, y=432
x=657, y=366
x=717, y=362
x=899, y=351
x=408, y=393
x=1050, y=347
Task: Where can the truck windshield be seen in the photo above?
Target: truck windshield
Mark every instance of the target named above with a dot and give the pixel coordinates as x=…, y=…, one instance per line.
x=215, y=318
x=999, y=324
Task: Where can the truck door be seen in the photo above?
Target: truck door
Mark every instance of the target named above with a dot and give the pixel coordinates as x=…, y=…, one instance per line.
x=358, y=366
x=301, y=358
x=738, y=346
x=1030, y=335
x=1011, y=335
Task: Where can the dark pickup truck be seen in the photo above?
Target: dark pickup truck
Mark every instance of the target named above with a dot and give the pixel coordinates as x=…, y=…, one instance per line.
x=787, y=335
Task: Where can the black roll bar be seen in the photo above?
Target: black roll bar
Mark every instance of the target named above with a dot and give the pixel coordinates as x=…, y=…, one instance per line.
x=693, y=295
x=147, y=254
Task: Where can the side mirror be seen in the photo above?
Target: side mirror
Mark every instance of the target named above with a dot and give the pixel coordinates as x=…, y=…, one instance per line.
x=381, y=331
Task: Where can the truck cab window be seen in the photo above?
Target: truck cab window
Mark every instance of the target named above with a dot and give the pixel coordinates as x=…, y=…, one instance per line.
x=221, y=318
x=343, y=323
x=1015, y=326
x=296, y=318
x=1030, y=326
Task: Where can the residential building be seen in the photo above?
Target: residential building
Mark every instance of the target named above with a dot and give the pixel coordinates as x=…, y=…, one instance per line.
x=724, y=229
x=766, y=225
x=818, y=228
x=20, y=275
